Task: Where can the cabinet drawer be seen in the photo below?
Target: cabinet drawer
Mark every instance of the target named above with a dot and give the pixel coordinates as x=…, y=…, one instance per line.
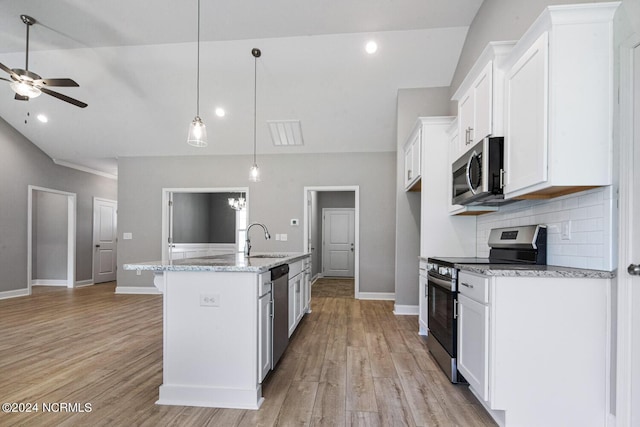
x=264, y=283
x=474, y=286
x=295, y=269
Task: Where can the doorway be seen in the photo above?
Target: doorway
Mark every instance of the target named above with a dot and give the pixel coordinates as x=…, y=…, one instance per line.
x=332, y=197
x=51, y=237
x=105, y=232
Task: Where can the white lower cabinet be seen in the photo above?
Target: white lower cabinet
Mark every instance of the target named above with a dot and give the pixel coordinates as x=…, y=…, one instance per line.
x=534, y=349
x=299, y=294
x=473, y=340
x=423, y=301
x=264, y=335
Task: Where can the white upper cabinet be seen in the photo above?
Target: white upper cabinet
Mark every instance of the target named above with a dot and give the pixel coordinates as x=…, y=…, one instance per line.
x=558, y=103
x=480, y=97
x=413, y=159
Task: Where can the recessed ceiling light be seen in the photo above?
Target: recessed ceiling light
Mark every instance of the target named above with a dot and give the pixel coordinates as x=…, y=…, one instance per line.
x=220, y=112
x=42, y=118
x=371, y=47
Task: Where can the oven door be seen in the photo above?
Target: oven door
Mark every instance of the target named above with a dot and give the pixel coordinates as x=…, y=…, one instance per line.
x=442, y=319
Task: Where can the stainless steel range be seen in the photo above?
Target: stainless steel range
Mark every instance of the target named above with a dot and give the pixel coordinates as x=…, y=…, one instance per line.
x=511, y=245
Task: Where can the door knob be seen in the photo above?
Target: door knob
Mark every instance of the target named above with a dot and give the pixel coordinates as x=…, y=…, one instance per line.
x=97, y=246
x=634, y=269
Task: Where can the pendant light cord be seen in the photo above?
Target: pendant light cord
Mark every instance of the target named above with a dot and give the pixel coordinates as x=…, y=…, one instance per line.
x=198, y=71
x=255, y=97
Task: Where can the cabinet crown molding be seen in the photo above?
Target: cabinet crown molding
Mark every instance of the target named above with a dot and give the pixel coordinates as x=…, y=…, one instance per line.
x=494, y=51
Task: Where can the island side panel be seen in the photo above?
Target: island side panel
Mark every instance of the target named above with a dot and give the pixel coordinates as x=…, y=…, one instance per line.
x=210, y=352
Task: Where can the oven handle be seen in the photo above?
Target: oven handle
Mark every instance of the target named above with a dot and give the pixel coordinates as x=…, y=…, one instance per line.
x=441, y=283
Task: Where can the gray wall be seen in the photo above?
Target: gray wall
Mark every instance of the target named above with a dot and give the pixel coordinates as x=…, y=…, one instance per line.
x=325, y=200
x=23, y=164
x=277, y=199
x=49, y=250
x=412, y=103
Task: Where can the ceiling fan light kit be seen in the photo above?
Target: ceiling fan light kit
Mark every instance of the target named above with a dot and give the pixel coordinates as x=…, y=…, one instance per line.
x=27, y=84
x=197, y=136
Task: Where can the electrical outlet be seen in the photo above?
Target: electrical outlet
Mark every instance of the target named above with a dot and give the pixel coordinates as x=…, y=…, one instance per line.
x=277, y=237
x=138, y=272
x=127, y=236
x=210, y=300
x=565, y=230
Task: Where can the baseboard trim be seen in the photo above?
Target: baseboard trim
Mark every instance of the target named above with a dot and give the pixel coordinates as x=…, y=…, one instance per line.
x=406, y=310
x=83, y=283
x=49, y=282
x=383, y=296
x=137, y=290
x=14, y=294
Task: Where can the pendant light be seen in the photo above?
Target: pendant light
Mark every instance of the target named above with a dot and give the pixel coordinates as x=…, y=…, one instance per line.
x=197, y=129
x=254, y=172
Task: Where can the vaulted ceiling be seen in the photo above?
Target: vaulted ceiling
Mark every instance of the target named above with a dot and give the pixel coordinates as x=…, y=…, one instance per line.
x=135, y=62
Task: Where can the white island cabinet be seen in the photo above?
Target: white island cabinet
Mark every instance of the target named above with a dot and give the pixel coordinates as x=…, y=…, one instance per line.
x=533, y=344
x=216, y=328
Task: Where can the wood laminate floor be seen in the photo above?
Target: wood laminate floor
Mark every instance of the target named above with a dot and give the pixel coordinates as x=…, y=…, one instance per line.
x=350, y=363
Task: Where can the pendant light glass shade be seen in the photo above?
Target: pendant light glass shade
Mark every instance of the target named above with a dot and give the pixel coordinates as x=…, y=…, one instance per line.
x=197, y=133
x=237, y=204
x=254, y=173
x=197, y=136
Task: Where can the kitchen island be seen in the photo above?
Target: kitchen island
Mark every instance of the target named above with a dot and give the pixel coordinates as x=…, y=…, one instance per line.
x=216, y=325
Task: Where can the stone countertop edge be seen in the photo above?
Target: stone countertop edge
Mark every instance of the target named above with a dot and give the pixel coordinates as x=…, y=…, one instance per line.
x=510, y=270
x=220, y=263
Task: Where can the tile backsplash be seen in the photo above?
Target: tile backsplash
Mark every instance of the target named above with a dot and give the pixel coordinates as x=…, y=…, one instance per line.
x=589, y=214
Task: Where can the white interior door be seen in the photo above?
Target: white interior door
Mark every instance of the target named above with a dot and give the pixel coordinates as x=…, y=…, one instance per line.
x=338, y=239
x=105, y=234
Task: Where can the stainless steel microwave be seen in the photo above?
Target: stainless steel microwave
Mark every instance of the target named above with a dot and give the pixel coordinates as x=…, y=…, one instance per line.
x=478, y=175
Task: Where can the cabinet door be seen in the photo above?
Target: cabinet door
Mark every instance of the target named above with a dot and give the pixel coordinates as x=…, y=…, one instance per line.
x=292, y=305
x=264, y=335
x=408, y=165
x=466, y=118
x=483, y=104
x=526, y=142
x=416, y=154
x=423, y=305
x=473, y=344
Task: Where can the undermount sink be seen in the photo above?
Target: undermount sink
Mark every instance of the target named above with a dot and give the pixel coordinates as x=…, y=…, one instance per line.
x=269, y=256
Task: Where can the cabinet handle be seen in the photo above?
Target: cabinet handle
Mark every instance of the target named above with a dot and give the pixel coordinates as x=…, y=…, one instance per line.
x=501, y=178
x=467, y=285
x=470, y=137
x=455, y=309
x=409, y=174
x=426, y=290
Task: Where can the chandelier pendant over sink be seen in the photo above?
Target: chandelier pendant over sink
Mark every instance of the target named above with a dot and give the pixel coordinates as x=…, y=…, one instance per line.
x=197, y=129
x=254, y=172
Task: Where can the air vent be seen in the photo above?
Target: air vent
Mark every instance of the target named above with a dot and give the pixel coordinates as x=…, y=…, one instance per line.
x=285, y=132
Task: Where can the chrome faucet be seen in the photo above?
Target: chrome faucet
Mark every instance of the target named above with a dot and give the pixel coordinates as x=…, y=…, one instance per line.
x=247, y=243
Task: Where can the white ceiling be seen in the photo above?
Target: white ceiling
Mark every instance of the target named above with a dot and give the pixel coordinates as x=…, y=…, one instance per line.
x=135, y=62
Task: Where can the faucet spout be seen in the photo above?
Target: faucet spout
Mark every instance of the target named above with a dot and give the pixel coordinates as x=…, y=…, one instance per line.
x=247, y=243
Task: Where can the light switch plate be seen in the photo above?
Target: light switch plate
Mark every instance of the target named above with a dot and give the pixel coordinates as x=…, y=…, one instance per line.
x=127, y=236
x=283, y=237
x=565, y=230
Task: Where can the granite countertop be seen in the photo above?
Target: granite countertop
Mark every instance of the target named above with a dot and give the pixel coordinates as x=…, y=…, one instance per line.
x=515, y=270
x=257, y=263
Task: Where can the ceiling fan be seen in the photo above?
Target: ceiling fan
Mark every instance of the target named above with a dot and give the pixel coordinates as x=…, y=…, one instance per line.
x=27, y=84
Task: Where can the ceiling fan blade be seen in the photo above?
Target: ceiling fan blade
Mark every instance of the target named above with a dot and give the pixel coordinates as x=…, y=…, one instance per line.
x=6, y=80
x=20, y=97
x=57, y=82
x=7, y=69
x=63, y=97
